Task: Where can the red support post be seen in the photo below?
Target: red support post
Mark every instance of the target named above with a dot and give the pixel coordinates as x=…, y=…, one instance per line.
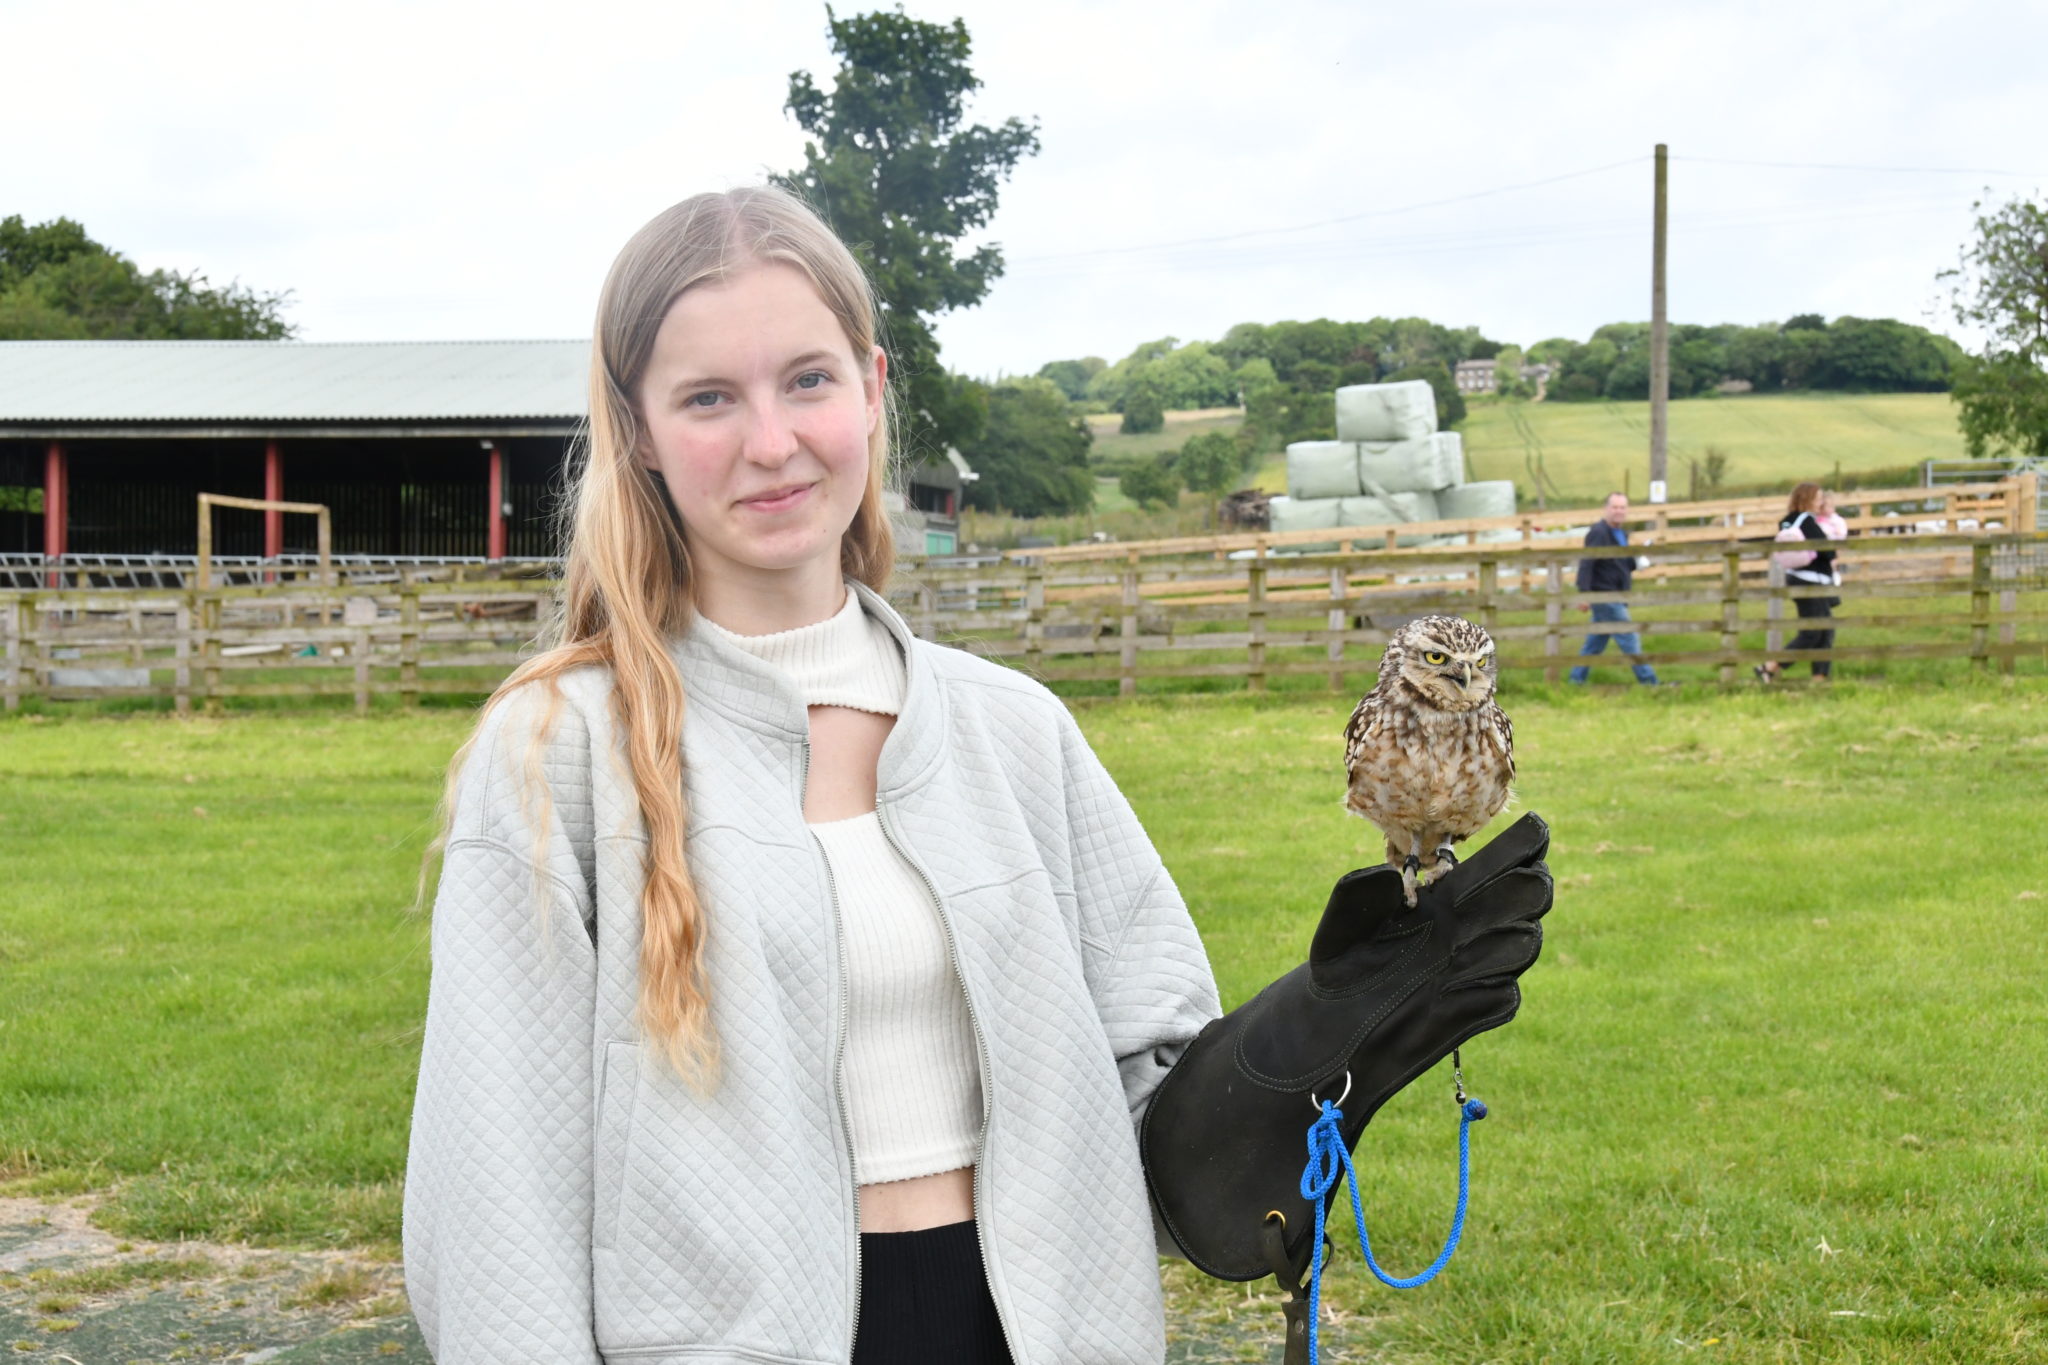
x=273, y=491
x=495, y=543
x=56, y=507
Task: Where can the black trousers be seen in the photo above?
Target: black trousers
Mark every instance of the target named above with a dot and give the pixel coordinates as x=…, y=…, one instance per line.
x=1815, y=637
x=924, y=1299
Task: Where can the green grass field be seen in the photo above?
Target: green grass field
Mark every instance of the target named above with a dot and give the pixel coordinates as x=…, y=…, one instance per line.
x=1589, y=448
x=1775, y=1093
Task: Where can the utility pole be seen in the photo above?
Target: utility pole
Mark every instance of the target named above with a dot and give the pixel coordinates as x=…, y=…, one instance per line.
x=1660, y=344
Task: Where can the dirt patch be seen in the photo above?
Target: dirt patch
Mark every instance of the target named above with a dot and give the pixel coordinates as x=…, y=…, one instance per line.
x=72, y=1293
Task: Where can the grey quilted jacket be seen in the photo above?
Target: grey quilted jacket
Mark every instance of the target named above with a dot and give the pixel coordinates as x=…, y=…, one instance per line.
x=569, y=1200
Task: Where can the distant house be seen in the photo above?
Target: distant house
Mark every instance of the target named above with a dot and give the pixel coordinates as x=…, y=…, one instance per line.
x=927, y=511
x=1475, y=376
x=1483, y=376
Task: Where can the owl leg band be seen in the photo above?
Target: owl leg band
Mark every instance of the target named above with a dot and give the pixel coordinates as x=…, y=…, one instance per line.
x=1388, y=991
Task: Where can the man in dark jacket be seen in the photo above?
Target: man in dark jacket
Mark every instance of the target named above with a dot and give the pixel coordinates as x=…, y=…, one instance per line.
x=1611, y=575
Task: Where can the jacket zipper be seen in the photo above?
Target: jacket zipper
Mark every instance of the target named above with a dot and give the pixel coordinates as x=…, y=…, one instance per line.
x=839, y=1049
x=987, y=1077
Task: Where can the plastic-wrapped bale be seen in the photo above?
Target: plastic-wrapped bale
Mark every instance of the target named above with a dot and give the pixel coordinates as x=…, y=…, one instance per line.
x=1386, y=412
x=1323, y=469
x=1475, y=501
x=1436, y=461
x=1304, y=514
x=1396, y=509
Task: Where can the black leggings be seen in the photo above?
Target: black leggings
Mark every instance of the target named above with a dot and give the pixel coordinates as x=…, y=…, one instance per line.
x=1815, y=637
x=924, y=1298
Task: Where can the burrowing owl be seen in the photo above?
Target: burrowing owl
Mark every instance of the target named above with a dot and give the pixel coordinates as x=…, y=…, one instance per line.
x=1430, y=754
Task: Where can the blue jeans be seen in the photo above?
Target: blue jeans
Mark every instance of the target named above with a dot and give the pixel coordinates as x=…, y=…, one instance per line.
x=1627, y=641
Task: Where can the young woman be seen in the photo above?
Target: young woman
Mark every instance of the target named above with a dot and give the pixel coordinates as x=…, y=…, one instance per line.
x=1809, y=504
x=796, y=982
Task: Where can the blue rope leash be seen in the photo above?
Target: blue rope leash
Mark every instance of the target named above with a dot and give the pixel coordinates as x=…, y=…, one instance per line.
x=1326, y=1156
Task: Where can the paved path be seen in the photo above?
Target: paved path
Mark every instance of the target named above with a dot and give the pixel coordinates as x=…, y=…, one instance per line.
x=71, y=1294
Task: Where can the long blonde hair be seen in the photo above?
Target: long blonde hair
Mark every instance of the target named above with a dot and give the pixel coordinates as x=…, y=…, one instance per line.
x=627, y=587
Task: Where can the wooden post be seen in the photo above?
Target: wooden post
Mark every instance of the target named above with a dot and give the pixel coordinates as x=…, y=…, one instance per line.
x=1553, y=621
x=359, y=648
x=2008, y=604
x=135, y=637
x=1489, y=591
x=927, y=612
x=1774, y=610
x=408, y=639
x=1255, y=621
x=1127, y=629
x=210, y=619
x=181, y=650
x=1339, y=619
x=1731, y=610
x=205, y=541
x=1980, y=604
x=20, y=620
x=1034, y=615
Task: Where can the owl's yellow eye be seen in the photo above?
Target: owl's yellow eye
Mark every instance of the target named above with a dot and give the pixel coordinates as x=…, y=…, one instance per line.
x=1434, y=656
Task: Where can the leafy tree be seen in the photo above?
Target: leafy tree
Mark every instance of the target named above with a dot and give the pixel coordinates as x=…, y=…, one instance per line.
x=1805, y=322
x=57, y=283
x=1151, y=483
x=1450, y=404
x=1879, y=355
x=1507, y=373
x=891, y=166
x=1551, y=351
x=1209, y=462
x=1032, y=454
x=2000, y=291
x=1072, y=376
x=1144, y=409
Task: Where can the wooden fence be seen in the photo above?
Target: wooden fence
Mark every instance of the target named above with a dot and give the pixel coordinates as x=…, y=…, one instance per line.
x=1718, y=607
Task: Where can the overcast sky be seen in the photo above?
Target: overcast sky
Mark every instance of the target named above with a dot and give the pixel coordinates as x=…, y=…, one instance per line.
x=434, y=169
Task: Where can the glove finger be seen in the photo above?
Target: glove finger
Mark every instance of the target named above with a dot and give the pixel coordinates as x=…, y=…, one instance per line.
x=1360, y=905
x=1518, y=896
x=1498, y=957
x=1519, y=845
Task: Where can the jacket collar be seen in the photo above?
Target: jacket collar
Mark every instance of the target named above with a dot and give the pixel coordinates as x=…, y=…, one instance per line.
x=742, y=688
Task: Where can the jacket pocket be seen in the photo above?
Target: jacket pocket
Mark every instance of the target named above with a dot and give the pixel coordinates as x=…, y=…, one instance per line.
x=618, y=1096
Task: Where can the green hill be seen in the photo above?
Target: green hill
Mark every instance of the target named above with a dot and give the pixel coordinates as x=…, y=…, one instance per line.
x=1590, y=448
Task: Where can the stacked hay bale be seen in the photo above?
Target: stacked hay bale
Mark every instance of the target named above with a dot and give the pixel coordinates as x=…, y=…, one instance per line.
x=1389, y=466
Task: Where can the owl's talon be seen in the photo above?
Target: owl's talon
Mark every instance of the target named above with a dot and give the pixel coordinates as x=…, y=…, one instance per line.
x=1410, y=867
x=1445, y=861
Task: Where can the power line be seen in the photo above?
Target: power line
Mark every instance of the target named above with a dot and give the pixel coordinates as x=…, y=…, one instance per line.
x=1489, y=239
x=1836, y=166
x=1333, y=222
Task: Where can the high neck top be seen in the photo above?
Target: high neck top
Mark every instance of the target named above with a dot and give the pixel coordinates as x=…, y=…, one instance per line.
x=847, y=659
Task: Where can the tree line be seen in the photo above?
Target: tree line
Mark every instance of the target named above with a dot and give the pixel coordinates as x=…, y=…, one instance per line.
x=58, y=284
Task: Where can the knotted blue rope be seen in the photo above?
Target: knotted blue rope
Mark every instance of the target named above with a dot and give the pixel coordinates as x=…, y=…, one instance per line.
x=1326, y=1156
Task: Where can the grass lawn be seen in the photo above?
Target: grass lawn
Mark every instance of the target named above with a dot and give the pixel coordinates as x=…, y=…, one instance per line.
x=1775, y=1095
x=1590, y=448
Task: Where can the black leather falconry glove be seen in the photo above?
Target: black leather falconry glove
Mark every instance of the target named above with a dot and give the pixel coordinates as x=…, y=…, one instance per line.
x=1388, y=991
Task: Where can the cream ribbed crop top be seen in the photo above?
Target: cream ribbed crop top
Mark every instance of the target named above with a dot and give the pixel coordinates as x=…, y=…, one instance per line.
x=912, y=1071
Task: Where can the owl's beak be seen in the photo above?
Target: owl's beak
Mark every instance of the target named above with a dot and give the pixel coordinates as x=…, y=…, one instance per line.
x=1468, y=673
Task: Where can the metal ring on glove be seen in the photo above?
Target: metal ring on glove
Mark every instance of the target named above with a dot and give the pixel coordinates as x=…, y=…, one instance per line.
x=1317, y=1104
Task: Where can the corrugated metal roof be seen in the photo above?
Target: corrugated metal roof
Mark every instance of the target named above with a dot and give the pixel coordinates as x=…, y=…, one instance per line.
x=289, y=381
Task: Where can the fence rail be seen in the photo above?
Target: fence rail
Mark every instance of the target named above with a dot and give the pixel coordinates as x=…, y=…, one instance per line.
x=1717, y=607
